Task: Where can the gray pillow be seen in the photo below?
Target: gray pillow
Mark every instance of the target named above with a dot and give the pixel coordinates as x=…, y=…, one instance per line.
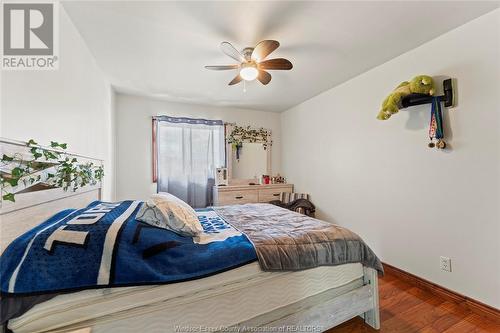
x=169, y=212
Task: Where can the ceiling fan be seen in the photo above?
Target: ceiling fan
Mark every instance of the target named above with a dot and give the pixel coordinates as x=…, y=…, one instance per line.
x=251, y=62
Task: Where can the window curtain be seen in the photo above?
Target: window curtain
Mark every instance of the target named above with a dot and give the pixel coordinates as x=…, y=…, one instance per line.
x=189, y=151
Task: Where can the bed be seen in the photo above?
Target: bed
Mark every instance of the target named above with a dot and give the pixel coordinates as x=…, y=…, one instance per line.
x=245, y=297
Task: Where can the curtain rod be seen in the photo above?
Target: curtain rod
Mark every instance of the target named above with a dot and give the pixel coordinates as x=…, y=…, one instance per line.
x=187, y=120
x=164, y=116
x=207, y=120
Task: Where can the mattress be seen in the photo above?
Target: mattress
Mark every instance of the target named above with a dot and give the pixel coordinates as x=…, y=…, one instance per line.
x=226, y=299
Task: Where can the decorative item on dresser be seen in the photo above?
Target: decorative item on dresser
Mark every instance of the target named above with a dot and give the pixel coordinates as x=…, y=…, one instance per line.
x=241, y=194
x=221, y=177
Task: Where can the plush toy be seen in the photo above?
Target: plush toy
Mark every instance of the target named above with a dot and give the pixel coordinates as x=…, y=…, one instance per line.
x=421, y=84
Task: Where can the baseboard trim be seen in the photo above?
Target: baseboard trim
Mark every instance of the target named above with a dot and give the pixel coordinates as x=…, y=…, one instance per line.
x=450, y=295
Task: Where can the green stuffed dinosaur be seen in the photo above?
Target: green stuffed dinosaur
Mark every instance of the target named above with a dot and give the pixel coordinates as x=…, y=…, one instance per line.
x=422, y=84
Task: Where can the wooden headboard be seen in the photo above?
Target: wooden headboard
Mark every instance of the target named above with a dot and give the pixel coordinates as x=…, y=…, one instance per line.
x=37, y=203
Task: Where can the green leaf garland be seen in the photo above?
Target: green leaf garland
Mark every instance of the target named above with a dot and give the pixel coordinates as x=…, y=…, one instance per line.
x=69, y=173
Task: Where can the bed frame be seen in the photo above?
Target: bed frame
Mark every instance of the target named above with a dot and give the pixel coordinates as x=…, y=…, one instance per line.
x=37, y=202
x=326, y=310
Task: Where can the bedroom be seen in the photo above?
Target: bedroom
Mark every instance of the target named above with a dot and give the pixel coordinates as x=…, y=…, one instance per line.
x=124, y=85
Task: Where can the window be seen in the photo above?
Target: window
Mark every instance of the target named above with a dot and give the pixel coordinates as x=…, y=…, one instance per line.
x=186, y=153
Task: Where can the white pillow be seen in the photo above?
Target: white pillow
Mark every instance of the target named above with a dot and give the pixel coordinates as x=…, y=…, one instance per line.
x=166, y=211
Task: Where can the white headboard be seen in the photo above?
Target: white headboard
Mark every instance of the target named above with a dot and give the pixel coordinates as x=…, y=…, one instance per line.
x=33, y=207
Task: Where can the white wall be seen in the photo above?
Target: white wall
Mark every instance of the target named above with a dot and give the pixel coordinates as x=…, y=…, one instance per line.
x=72, y=104
x=410, y=203
x=133, y=128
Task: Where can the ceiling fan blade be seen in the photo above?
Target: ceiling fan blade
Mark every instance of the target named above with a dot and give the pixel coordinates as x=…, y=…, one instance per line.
x=263, y=49
x=222, y=67
x=237, y=79
x=276, y=64
x=231, y=51
x=264, y=77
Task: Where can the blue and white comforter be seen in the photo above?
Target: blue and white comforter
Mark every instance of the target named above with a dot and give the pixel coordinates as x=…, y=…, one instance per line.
x=103, y=245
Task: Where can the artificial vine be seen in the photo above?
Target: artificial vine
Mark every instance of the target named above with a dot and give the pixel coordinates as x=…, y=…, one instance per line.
x=68, y=172
x=240, y=134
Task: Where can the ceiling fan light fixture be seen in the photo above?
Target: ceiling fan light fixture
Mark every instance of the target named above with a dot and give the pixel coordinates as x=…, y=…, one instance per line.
x=249, y=72
x=252, y=63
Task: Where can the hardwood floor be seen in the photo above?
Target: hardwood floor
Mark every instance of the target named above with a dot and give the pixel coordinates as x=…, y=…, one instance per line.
x=405, y=308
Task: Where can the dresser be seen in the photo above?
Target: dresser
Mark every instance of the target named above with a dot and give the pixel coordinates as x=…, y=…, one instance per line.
x=241, y=194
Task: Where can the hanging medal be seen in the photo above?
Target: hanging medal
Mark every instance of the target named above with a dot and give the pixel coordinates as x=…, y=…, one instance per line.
x=438, y=115
x=436, y=125
x=432, y=129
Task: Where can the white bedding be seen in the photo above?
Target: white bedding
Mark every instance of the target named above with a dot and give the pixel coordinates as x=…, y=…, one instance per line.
x=225, y=299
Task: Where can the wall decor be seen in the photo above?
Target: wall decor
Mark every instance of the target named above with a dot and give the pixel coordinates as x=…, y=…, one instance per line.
x=406, y=95
x=421, y=84
x=237, y=135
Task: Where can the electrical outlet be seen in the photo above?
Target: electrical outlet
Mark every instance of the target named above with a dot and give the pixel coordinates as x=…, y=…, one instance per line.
x=445, y=264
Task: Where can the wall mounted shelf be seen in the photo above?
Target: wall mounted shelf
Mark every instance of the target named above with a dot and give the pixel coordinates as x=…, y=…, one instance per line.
x=419, y=99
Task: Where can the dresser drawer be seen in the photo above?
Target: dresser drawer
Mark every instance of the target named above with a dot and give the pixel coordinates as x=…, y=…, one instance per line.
x=270, y=194
x=237, y=197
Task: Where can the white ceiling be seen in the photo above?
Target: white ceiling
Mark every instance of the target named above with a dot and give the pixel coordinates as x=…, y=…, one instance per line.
x=160, y=49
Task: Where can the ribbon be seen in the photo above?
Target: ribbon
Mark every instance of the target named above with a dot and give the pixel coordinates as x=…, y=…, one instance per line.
x=436, y=123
